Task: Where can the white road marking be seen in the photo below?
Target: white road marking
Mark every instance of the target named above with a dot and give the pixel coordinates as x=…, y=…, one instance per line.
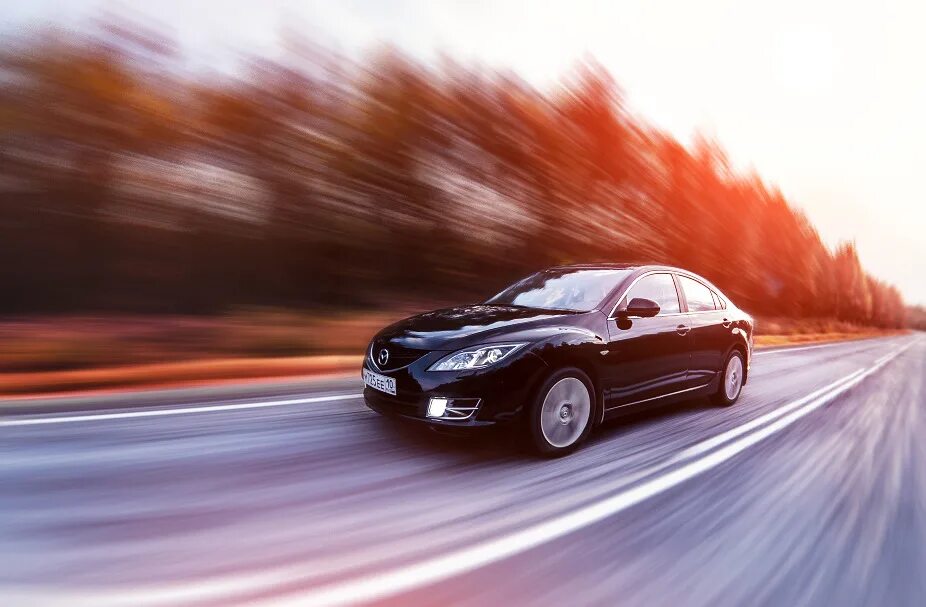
x=707, y=445
x=786, y=349
x=433, y=570
x=93, y=417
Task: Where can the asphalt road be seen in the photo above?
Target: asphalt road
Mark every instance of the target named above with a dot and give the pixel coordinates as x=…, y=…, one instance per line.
x=811, y=490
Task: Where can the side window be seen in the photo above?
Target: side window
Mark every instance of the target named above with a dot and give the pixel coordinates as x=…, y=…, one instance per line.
x=659, y=288
x=700, y=298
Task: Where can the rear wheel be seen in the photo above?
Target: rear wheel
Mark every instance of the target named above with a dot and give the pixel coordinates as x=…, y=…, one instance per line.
x=561, y=415
x=731, y=381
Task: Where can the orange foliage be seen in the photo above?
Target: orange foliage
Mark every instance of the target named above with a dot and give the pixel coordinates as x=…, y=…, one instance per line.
x=127, y=183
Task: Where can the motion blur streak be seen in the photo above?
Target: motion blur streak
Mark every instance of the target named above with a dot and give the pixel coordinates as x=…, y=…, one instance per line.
x=159, y=511
x=731, y=434
x=456, y=563
x=181, y=411
x=789, y=350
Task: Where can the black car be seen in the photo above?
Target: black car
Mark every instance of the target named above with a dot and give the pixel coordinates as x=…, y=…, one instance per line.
x=561, y=351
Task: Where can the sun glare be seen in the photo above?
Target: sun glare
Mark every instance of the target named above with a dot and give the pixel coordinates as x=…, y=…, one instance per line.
x=805, y=60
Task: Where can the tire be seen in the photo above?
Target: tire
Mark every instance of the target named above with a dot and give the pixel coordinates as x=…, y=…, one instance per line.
x=731, y=380
x=561, y=415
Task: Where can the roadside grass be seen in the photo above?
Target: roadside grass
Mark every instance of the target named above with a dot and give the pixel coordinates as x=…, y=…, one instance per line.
x=795, y=331
x=44, y=355
x=769, y=341
x=176, y=374
x=80, y=342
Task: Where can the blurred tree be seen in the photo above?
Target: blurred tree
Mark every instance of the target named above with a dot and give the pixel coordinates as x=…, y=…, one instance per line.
x=129, y=183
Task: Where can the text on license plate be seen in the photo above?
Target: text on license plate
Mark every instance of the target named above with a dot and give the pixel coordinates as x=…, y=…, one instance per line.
x=379, y=382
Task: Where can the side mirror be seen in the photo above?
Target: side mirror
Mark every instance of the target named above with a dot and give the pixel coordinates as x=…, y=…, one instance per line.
x=642, y=307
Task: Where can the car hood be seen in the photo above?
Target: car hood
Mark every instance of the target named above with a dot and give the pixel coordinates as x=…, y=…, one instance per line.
x=464, y=326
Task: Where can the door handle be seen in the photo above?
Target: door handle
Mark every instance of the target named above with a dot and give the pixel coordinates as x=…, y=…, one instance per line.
x=682, y=329
x=726, y=323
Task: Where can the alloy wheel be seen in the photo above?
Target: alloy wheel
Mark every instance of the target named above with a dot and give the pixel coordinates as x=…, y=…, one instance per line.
x=565, y=412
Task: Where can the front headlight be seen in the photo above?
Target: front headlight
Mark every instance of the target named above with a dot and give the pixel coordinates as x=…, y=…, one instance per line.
x=477, y=357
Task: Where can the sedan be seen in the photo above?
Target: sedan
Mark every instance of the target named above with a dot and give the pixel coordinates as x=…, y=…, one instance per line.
x=561, y=351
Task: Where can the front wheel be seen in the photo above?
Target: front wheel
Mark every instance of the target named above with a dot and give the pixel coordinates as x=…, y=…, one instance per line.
x=731, y=382
x=561, y=415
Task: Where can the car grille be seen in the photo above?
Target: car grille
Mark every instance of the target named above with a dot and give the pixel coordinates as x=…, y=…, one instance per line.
x=398, y=356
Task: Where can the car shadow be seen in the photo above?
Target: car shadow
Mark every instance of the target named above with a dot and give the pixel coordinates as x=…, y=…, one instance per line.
x=489, y=443
x=643, y=417
x=505, y=443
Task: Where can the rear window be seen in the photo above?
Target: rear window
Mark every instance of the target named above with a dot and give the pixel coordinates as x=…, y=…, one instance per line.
x=700, y=298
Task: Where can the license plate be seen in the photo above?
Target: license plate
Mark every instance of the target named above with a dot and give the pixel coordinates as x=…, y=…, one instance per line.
x=379, y=382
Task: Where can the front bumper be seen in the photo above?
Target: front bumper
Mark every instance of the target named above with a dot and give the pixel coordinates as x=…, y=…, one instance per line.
x=500, y=393
x=416, y=410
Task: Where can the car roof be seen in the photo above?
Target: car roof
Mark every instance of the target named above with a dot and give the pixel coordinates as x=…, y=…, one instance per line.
x=620, y=266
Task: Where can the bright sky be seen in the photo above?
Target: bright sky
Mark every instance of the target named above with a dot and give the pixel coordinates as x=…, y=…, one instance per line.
x=825, y=99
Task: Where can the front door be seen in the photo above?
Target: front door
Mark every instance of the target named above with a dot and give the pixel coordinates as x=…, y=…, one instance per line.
x=647, y=357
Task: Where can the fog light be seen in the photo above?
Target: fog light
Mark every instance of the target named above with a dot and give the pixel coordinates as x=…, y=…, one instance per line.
x=437, y=407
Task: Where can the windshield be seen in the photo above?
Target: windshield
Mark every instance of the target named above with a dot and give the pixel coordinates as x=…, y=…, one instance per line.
x=562, y=289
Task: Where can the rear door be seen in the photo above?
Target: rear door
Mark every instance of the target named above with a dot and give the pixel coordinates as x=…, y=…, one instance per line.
x=647, y=357
x=710, y=330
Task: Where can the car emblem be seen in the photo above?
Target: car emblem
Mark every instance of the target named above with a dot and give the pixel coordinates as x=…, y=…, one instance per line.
x=383, y=357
